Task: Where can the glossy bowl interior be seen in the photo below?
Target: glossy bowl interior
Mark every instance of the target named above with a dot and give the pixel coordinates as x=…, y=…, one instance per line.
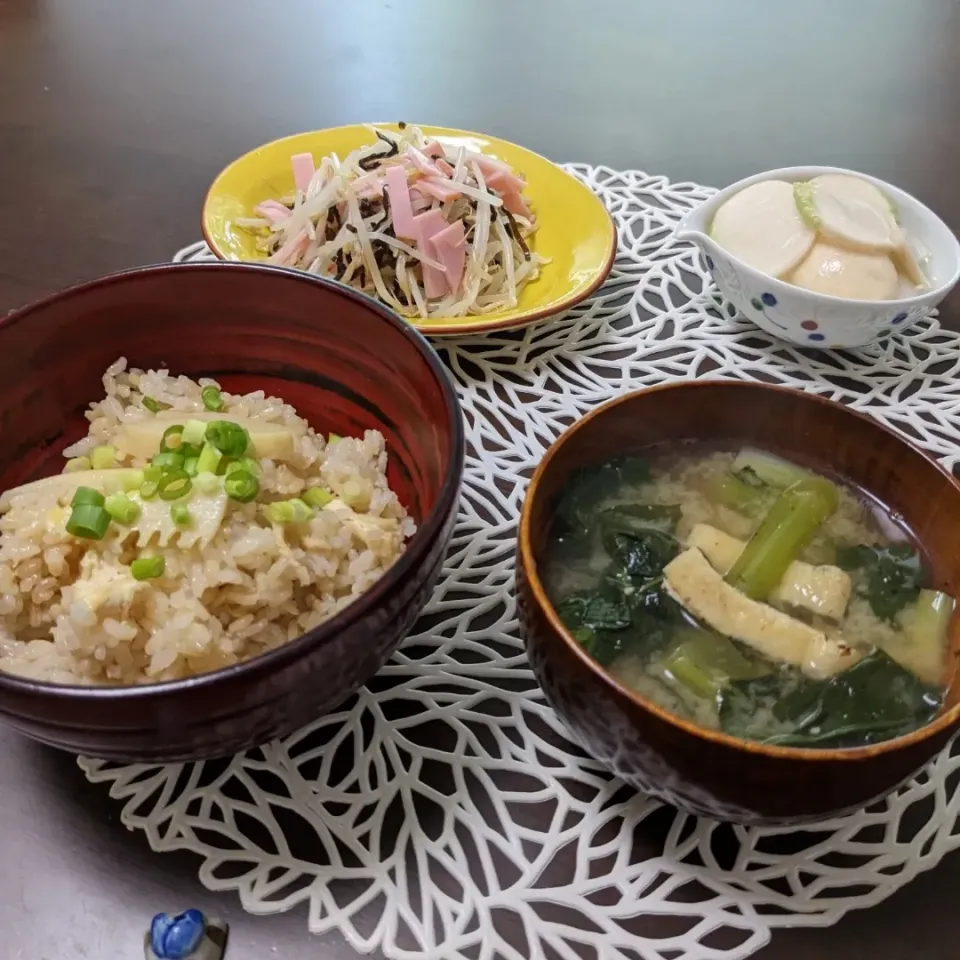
x=575, y=232
x=347, y=365
x=817, y=320
x=703, y=771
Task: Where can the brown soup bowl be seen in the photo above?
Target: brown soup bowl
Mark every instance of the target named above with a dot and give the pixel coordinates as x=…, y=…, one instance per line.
x=702, y=771
x=347, y=365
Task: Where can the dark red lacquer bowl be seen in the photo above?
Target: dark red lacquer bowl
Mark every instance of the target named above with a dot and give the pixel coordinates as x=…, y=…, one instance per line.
x=348, y=365
x=705, y=772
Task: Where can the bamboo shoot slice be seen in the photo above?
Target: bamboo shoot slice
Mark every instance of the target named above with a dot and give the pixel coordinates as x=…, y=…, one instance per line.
x=62, y=486
x=141, y=439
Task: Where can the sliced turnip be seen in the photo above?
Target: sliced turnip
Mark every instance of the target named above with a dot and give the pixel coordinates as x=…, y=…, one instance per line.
x=853, y=213
x=846, y=273
x=762, y=226
x=909, y=266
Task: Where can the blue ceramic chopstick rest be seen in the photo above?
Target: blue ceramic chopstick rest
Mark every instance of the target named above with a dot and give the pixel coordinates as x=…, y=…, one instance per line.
x=185, y=936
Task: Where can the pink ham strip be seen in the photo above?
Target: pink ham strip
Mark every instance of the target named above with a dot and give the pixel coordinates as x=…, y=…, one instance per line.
x=436, y=153
x=515, y=204
x=303, y=170
x=273, y=210
x=488, y=165
x=504, y=182
x=442, y=190
x=420, y=202
x=508, y=188
x=450, y=245
x=422, y=163
x=400, y=206
x=369, y=185
x=290, y=250
x=428, y=225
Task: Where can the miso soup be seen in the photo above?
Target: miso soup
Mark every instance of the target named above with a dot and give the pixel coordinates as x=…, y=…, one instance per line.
x=746, y=594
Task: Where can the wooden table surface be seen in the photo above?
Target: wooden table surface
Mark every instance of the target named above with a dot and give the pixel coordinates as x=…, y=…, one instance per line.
x=114, y=117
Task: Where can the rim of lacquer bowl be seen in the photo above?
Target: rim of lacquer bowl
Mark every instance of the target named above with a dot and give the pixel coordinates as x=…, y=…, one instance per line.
x=529, y=565
x=417, y=547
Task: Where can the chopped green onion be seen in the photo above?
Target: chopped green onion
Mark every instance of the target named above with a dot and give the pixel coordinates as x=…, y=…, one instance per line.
x=168, y=460
x=172, y=437
x=209, y=459
x=121, y=508
x=211, y=398
x=147, y=568
x=174, y=484
x=206, y=482
x=152, y=472
x=154, y=406
x=148, y=489
x=288, y=511
x=131, y=479
x=111, y=483
x=353, y=494
x=241, y=486
x=195, y=433
x=228, y=437
x=180, y=515
x=333, y=438
x=88, y=520
x=87, y=495
x=190, y=466
x=318, y=496
x=244, y=463
x=103, y=457
x=280, y=512
x=188, y=450
x=76, y=465
x=301, y=512
x=122, y=481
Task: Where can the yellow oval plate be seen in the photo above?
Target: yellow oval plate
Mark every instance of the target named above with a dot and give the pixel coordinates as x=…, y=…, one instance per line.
x=575, y=231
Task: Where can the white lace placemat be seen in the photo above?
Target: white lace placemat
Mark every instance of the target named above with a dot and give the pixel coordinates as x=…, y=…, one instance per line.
x=442, y=813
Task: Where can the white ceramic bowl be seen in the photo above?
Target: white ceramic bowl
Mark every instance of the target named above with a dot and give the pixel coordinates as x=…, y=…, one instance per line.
x=817, y=319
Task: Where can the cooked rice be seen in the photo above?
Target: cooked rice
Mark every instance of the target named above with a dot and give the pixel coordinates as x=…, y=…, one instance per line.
x=70, y=612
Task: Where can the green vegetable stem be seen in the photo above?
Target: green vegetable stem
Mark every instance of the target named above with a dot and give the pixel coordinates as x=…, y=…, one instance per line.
x=788, y=526
x=705, y=663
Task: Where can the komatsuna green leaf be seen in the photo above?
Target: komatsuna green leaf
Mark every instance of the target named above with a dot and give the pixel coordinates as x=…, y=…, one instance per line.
x=874, y=700
x=638, y=518
x=605, y=645
x=593, y=609
x=889, y=578
x=641, y=554
x=597, y=622
x=589, y=487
